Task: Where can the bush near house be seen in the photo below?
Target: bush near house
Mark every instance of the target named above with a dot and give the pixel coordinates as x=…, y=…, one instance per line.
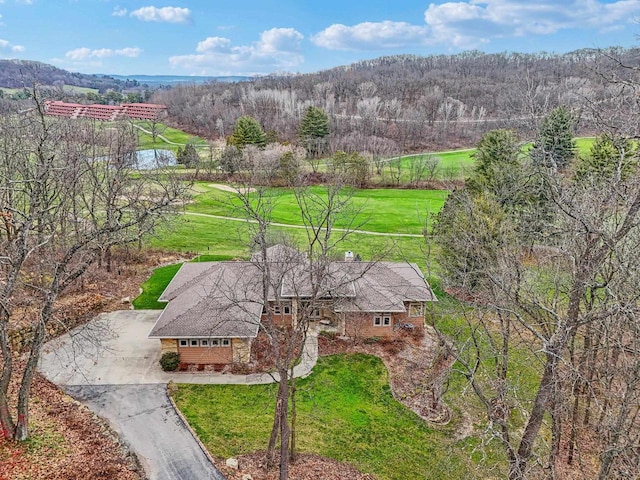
x=169, y=361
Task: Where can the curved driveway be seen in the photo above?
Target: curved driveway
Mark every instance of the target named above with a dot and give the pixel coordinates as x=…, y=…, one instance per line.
x=111, y=366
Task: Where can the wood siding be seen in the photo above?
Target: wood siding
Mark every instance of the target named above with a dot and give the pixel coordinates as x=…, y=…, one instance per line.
x=206, y=355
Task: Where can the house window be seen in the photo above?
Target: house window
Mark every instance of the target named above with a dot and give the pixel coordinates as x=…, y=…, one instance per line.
x=204, y=343
x=226, y=342
x=416, y=309
x=184, y=343
x=315, y=313
x=276, y=309
x=381, y=321
x=215, y=342
x=287, y=310
x=193, y=343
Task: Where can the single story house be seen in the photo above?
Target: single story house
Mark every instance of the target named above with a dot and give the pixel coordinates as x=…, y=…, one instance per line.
x=215, y=309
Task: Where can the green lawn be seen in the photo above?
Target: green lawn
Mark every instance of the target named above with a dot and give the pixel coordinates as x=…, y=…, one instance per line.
x=378, y=210
x=153, y=288
x=345, y=411
x=172, y=134
x=201, y=235
x=455, y=164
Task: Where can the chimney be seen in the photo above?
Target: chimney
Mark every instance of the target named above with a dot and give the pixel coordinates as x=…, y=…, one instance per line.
x=348, y=256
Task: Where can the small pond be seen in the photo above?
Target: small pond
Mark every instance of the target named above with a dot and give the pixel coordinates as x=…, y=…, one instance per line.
x=150, y=159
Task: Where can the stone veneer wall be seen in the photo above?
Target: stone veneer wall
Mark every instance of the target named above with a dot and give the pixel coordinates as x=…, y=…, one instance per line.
x=241, y=350
x=168, y=345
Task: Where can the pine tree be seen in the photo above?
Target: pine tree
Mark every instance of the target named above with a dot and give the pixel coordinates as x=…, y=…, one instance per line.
x=555, y=146
x=314, y=127
x=247, y=132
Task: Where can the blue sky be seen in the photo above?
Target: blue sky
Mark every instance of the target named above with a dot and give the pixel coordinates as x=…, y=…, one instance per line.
x=224, y=37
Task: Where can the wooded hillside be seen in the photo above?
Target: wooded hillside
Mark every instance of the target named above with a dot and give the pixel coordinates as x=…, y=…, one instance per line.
x=406, y=102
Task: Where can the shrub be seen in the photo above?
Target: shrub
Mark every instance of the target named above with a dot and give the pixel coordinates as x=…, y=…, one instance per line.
x=169, y=361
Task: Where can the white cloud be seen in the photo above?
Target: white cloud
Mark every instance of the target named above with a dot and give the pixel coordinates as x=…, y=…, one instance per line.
x=277, y=49
x=131, y=52
x=469, y=23
x=371, y=36
x=119, y=12
x=163, y=14
x=213, y=44
x=7, y=45
x=82, y=54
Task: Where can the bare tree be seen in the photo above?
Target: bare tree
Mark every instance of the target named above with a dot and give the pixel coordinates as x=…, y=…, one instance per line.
x=67, y=196
x=568, y=303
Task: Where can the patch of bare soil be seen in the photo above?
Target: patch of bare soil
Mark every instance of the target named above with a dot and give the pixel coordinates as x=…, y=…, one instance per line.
x=67, y=442
x=418, y=365
x=306, y=467
x=229, y=188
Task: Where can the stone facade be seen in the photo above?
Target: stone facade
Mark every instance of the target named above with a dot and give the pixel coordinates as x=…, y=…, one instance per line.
x=168, y=345
x=241, y=350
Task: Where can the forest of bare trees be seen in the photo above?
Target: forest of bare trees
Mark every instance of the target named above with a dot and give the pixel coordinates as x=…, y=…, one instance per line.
x=406, y=103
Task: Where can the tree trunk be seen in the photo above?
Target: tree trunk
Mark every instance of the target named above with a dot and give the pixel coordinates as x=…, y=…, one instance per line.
x=284, y=426
x=540, y=404
x=292, y=448
x=275, y=429
x=6, y=422
x=22, y=427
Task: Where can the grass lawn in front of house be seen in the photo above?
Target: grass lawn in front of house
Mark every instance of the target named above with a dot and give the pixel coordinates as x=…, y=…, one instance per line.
x=345, y=411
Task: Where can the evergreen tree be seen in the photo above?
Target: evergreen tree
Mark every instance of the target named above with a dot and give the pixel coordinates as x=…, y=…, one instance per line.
x=314, y=127
x=555, y=146
x=247, y=132
x=497, y=167
x=609, y=157
x=188, y=156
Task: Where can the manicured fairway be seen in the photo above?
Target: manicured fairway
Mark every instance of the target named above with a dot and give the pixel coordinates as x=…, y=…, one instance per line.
x=377, y=210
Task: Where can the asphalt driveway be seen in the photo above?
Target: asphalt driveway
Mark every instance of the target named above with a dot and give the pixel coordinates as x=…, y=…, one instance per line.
x=143, y=416
x=111, y=366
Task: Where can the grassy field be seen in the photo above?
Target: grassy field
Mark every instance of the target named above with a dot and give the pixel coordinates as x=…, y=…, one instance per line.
x=203, y=235
x=172, y=134
x=458, y=164
x=345, y=411
x=378, y=210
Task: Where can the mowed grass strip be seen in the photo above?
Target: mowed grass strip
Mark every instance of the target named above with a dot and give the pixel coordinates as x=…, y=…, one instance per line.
x=145, y=141
x=377, y=210
x=205, y=235
x=345, y=411
x=153, y=288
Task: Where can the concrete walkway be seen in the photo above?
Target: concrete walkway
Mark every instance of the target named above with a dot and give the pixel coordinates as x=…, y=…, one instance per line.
x=111, y=366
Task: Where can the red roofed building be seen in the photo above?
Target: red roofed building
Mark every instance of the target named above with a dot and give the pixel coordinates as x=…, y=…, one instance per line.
x=143, y=111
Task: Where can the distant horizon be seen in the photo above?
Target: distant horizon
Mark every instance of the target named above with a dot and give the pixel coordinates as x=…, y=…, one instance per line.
x=197, y=38
x=258, y=75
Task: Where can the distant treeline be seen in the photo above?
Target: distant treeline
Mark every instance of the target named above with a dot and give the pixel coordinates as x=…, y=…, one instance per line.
x=24, y=73
x=406, y=102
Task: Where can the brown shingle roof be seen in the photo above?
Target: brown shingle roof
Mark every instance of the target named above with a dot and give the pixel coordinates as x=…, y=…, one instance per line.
x=224, y=299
